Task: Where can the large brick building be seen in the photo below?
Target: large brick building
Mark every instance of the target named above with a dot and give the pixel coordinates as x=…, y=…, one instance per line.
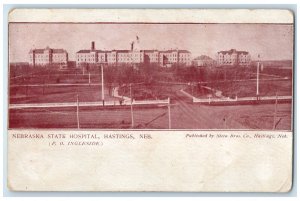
x=48, y=56
x=233, y=58
x=135, y=55
x=170, y=57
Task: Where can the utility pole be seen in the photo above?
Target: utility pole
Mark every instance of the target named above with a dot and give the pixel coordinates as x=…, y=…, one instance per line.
x=89, y=78
x=257, y=78
x=169, y=112
x=43, y=87
x=225, y=123
x=131, y=108
x=275, y=113
x=78, y=124
x=102, y=78
x=26, y=90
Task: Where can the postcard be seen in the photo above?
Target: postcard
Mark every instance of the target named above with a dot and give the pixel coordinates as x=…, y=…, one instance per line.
x=176, y=100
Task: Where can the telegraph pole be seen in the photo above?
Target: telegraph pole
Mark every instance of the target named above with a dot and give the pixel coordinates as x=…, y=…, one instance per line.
x=169, y=112
x=257, y=78
x=102, y=79
x=131, y=108
x=275, y=113
x=89, y=78
x=43, y=87
x=78, y=124
x=26, y=90
x=225, y=123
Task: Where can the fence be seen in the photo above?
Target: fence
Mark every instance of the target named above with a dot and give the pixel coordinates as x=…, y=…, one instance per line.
x=240, y=100
x=88, y=104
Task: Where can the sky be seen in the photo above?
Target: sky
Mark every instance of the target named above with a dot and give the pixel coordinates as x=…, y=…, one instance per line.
x=271, y=41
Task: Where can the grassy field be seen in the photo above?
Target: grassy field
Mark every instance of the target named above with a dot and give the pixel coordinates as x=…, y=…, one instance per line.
x=150, y=91
x=243, y=88
x=197, y=117
x=184, y=114
x=56, y=78
x=59, y=94
x=266, y=88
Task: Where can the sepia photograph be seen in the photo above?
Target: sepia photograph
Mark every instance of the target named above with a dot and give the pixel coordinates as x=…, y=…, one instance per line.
x=150, y=100
x=150, y=76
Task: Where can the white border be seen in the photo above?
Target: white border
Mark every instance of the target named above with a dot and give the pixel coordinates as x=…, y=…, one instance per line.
x=175, y=3
x=152, y=15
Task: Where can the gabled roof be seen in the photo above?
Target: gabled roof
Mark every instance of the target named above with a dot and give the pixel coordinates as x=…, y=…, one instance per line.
x=84, y=51
x=203, y=57
x=184, y=51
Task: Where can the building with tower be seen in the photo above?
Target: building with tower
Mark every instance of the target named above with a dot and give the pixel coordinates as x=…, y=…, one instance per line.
x=135, y=55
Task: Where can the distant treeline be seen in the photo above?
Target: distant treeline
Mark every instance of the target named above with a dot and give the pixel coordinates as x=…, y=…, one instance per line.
x=152, y=73
x=277, y=63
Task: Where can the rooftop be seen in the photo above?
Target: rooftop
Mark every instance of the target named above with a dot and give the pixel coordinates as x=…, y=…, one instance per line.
x=184, y=51
x=41, y=51
x=89, y=51
x=149, y=51
x=203, y=57
x=179, y=51
x=233, y=51
x=127, y=51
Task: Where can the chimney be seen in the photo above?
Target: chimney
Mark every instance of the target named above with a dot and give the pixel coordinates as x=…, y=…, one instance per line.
x=132, y=43
x=93, y=45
